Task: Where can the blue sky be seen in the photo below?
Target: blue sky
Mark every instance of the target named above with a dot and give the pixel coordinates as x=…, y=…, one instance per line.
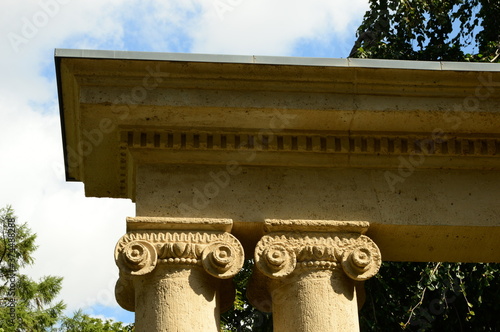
x=77, y=234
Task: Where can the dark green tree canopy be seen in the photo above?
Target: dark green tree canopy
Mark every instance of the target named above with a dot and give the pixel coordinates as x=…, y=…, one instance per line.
x=34, y=308
x=84, y=323
x=430, y=30
x=29, y=305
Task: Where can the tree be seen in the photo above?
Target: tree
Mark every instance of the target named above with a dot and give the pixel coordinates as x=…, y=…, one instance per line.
x=430, y=30
x=244, y=317
x=84, y=323
x=26, y=305
x=431, y=296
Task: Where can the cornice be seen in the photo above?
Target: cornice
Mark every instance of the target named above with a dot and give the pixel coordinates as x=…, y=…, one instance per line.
x=121, y=108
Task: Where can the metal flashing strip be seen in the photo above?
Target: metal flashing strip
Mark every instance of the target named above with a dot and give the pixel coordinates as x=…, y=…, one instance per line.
x=279, y=60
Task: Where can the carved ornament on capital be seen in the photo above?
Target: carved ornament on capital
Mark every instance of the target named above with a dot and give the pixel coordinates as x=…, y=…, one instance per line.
x=292, y=247
x=207, y=245
x=281, y=252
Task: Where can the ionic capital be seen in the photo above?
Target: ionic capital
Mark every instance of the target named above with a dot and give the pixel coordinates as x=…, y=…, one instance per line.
x=309, y=244
x=176, y=243
x=300, y=263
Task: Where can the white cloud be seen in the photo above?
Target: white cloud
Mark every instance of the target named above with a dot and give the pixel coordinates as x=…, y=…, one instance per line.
x=77, y=235
x=31, y=30
x=273, y=27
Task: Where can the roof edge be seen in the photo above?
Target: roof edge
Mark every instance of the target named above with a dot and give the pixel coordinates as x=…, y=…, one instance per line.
x=278, y=60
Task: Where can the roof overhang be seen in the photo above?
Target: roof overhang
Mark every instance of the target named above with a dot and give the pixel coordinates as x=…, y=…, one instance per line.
x=119, y=108
x=324, y=132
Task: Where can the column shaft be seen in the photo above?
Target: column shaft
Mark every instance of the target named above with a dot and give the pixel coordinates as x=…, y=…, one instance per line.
x=322, y=300
x=177, y=299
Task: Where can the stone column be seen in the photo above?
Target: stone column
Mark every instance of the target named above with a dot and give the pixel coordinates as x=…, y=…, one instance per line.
x=307, y=273
x=175, y=273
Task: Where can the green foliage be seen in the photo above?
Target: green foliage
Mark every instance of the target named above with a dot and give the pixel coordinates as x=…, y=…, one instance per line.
x=244, y=317
x=430, y=30
x=84, y=323
x=404, y=296
x=432, y=297
x=24, y=242
x=34, y=308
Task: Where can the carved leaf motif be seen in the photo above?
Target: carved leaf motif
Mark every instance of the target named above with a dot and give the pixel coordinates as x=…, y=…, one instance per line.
x=179, y=249
x=198, y=249
x=318, y=252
